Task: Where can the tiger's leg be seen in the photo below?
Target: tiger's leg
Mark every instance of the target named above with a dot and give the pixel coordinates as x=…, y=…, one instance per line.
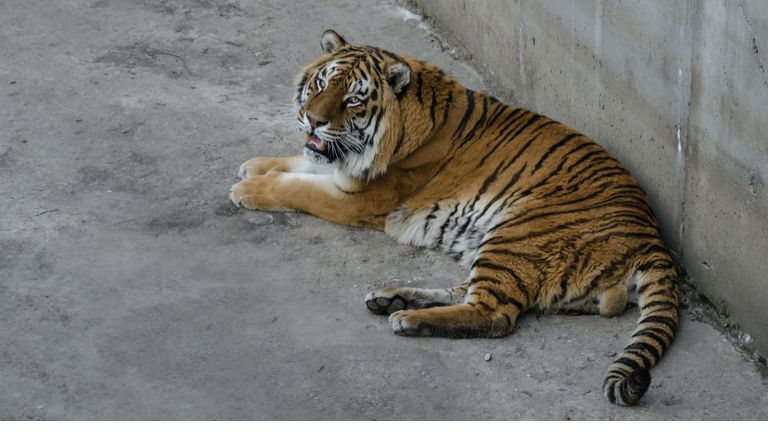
x=389, y=300
x=294, y=164
x=359, y=204
x=496, y=294
x=457, y=321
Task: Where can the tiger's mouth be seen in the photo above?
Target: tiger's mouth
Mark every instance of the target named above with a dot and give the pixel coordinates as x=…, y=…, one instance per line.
x=317, y=145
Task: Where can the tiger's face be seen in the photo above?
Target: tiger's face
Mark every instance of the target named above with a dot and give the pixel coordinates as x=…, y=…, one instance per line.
x=346, y=101
x=339, y=106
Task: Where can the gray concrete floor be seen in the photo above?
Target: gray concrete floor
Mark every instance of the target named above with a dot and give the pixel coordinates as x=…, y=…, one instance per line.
x=130, y=288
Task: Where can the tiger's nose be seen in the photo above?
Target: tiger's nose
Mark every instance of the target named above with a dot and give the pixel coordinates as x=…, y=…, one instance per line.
x=315, y=121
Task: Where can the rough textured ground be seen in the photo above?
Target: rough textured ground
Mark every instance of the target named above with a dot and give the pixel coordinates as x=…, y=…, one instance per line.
x=130, y=288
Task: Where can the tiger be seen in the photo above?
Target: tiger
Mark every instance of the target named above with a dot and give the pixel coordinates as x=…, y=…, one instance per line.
x=544, y=219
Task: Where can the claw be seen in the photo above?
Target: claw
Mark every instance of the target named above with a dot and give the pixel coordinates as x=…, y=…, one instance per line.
x=232, y=198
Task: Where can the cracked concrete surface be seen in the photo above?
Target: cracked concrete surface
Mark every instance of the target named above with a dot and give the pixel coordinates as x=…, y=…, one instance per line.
x=130, y=288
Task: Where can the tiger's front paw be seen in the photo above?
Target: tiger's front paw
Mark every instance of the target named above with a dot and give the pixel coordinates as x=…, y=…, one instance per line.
x=255, y=193
x=256, y=167
x=409, y=323
x=237, y=192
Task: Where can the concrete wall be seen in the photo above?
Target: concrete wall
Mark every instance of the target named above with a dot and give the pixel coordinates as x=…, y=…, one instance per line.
x=677, y=91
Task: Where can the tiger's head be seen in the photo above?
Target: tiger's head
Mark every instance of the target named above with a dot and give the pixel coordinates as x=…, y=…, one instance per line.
x=348, y=102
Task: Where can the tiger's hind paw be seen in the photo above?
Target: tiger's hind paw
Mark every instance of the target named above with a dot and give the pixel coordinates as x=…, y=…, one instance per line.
x=380, y=303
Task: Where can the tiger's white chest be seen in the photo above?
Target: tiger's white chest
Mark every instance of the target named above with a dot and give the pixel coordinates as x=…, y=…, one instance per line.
x=454, y=227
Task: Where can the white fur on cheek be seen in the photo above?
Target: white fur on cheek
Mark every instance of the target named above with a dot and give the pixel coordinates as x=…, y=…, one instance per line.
x=359, y=166
x=356, y=165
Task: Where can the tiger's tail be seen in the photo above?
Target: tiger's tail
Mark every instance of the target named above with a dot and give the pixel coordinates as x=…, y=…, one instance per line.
x=657, y=290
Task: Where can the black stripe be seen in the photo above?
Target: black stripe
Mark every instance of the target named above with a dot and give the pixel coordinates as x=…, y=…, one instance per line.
x=467, y=114
x=614, y=173
x=572, y=188
x=458, y=235
x=614, y=265
x=418, y=88
x=586, y=157
x=657, y=264
x=448, y=103
x=628, y=362
x=503, y=301
x=567, y=156
x=608, y=270
x=522, y=255
x=349, y=192
x=667, y=278
x=665, y=293
x=432, y=107
x=663, y=305
x=525, y=146
x=655, y=330
x=593, y=165
x=375, y=129
x=669, y=322
x=512, y=134
x=487, y=182
x=644, y=347
x=511, y=120
x=553, y=149
x=430, y=217
x=477, y=279
x=390, y=54
x=512, y=117
x=617, y=373
x=609, y=216
x=400, y=141
x=643, y=356
x=445, y=224
x=651, y=334
x=500, y=109
x=504, y=191
x=375, y=66
x=477, y=126
x=527, y=217
x=374, y=110
x=485, y=306
x=501, y=141
x=496, y=112
x=486, y=264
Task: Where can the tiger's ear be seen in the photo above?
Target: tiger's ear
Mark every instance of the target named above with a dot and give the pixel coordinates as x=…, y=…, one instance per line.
x=331, y=41
x=398, y=76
